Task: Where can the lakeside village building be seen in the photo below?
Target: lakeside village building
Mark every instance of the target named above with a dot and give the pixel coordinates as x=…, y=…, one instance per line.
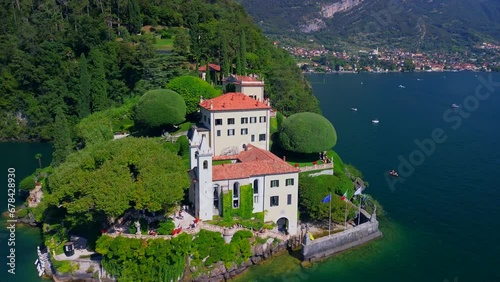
x=234, y=130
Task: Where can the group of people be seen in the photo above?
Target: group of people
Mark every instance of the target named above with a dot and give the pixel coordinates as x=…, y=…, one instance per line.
x=324, y=157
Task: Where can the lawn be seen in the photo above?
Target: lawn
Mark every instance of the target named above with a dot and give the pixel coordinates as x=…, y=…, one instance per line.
x=164, y=44
x=185, y=126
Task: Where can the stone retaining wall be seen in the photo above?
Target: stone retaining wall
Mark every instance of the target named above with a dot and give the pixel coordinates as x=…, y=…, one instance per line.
x=260, y=252
x=326, y=246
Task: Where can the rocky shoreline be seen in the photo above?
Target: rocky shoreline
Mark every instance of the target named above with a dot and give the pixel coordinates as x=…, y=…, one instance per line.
x=261, y=252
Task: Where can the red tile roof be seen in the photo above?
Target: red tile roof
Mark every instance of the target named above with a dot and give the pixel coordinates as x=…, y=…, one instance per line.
x=252, y=162
x=211, y=66
x=233, y=101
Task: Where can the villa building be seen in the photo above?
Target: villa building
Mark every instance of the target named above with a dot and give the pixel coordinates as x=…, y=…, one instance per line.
x=233, y=120
x=249, y=85
x=234, y=131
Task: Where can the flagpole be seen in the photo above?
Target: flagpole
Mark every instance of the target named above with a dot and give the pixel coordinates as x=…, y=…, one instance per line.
x=330, y=216
x=359, y=209
x=345, y=221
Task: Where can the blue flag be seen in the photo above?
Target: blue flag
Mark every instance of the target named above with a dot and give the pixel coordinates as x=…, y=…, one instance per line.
x=327, y=199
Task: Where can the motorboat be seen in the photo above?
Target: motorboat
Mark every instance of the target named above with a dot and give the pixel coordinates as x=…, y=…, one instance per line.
x=375, y=120
x=401, y=86
x=455, y=106
x=393, y=173
x=354, y=109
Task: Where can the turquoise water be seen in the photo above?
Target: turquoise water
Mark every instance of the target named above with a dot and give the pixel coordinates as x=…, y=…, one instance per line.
x=21, y=157
x=443, y=221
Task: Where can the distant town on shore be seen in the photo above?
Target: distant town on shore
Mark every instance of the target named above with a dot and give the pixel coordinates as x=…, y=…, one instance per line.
x=322, y=60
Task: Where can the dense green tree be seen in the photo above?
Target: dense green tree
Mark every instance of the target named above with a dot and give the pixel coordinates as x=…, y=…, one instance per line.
x=84, y=88
x=49, y=57
x=134, y=16
x=62, y=139
x=243, y=54
x=181, y=42
x=99, y=84
x=160, y=70
x=226, y=62
x=307, y=133
x=312, y=191
x=117, y=175
x=100, y=126
x=191, y=89
x=159, y=108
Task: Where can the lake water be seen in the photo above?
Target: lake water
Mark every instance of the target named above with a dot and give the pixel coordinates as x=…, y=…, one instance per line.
x=442, y=223
x=21, y=157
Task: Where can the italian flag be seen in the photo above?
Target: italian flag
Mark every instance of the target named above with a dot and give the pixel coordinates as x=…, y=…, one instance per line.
x=344, y=197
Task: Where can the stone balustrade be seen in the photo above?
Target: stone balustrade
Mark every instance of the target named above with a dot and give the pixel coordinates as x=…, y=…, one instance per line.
x=316, y=167
x=225, y=231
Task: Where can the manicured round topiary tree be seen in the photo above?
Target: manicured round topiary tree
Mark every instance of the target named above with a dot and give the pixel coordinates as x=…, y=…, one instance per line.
x=191, y=88
x=158, y=108
x=307, y=133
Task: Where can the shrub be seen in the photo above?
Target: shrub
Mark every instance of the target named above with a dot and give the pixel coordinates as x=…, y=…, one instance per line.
x=183, y=143
x=27, y=183
x=166, y=227
x=191, y=89
x=307, y=133
x=159, y=108
x=22, y=213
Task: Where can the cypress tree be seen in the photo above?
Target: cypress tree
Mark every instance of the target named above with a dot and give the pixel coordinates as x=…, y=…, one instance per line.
x=84, y=88
x=134, y=16
x=243, y=53
x=62, y=139
x=99, y=84
x=226, y=64
x=239, y=68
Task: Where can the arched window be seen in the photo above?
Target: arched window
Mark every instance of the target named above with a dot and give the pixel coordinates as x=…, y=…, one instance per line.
x=216, y=196
x=205, y=164
x=236, y=190
x=256, y=186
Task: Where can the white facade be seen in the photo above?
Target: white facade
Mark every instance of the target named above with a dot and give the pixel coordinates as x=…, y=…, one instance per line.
x=230, y=130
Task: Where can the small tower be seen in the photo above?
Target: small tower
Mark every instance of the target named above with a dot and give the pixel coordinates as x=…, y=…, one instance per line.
x=204, y=192
x=194, y=144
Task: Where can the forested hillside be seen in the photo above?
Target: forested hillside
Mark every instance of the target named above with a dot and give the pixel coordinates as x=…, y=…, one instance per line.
x=68, y=59
x=430, y=25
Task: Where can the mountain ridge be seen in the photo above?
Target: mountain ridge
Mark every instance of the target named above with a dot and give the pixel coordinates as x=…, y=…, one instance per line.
x=428, y=25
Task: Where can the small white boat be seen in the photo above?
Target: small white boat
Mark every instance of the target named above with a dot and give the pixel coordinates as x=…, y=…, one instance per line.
x=375, y=120
x=36, y=261
x=393, y=173
x=354, y=109
x=455, y=106
x=361, y=82
x=401, y=86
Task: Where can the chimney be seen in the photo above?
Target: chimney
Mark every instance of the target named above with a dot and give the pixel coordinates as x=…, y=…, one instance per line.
x=201, y=99
x=211, y=104
x=284, y=158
